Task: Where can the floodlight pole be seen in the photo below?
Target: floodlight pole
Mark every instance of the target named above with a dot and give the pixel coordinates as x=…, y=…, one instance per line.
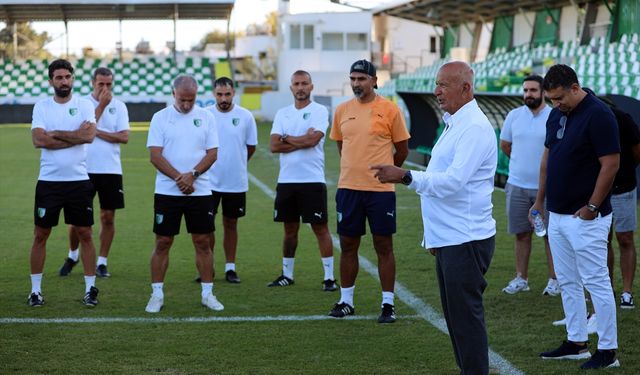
x=228, y=47
x=66, y=35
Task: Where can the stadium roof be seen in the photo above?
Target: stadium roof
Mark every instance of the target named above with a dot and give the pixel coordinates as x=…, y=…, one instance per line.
x=450, y=12
x=84, y=10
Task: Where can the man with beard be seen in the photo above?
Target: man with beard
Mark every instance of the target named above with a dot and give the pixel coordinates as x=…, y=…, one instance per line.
x=238, y=137
x=61, y=127
x=522, y=140
x=297, y=135
x=367, y=130
x=104, y=167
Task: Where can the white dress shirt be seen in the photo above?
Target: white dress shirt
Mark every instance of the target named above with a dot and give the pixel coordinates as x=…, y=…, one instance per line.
x=455, y=190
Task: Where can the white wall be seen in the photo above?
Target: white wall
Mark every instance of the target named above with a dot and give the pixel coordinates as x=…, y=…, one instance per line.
x=568, y=23
x=253, y=45
x=523, y=28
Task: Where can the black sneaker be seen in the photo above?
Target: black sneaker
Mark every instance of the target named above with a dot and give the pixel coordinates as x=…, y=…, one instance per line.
x=91, y=297
x=101, y=271
x=198, y=279
x=282, y=280
x=342, y=309
x=568, y=350
x=232, y=277
x=626, y=301
x=601, y=359
x=329, y=285
x=68, y=265
x=388, y=314
x=35, y=300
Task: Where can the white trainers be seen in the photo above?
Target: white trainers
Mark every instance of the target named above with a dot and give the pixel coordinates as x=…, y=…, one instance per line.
x=592, y=324
x=552, y=288
x=516, y=285
x=212, y=302
x=154, y=305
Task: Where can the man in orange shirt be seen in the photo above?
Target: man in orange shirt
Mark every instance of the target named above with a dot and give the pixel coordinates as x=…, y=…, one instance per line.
x=367, y=129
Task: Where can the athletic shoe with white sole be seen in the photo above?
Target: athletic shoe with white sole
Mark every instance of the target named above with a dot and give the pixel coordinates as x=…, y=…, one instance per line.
x=35, y=300
x=212, y=302
x=568, y=350
x=601, y=359
x=68, y=265
x=154, y=305
x=101, y=271
x=282, y=280
x=91, y=297
x=329, y=285
x=388, y=314
x=517, y=285
x=552, y=288
x=626, y=301
x=342, y=309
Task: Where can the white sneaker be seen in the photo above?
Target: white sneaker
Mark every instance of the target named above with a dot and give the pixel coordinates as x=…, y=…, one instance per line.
x=154, y=305
x=561, y=322
x=592, y=324
x=552, y=288
x=516, y=285
x=212, y=302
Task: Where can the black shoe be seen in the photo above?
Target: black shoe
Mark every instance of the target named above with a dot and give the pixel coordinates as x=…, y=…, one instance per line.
x=68, y=265
x=342, y=309
x=626, y=301
x=282, y=280
x=388, y=314
x=568, y=350
x=91, y=297
x=35, y=300
x=601, y=359
x=329, y=285
x=232, y=277
x=101, y=271
x=197, y=279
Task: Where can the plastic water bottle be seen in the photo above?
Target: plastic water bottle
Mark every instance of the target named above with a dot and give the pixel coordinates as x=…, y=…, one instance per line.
x=538, y=224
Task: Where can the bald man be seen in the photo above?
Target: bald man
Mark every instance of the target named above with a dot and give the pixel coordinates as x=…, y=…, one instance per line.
x=183, y=144
x=455, y=194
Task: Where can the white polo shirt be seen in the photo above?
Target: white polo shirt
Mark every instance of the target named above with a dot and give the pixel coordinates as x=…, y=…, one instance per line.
x=526, y=133
x=455, y=190
x=66, y=164
x=305, y=165
x=236, y=130
x=185, y=139
x=103, y=156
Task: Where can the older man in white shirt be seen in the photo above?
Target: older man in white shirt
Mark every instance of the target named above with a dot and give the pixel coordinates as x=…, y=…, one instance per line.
x=455, y=193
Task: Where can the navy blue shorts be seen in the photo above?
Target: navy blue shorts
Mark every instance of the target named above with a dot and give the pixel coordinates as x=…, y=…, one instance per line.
x=377, y=207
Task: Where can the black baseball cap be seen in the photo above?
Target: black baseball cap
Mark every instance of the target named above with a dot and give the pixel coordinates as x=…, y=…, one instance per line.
x=364, y=66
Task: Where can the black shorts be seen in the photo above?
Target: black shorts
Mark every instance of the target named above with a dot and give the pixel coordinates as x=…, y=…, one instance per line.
x=168, y=211
x=234, y=205
x=74, y=196
x=377, y=207
x=109, y=189
x=306, y=200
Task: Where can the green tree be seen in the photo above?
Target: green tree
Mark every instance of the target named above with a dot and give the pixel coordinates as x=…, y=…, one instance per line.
x=30, y=43
x=215, y=36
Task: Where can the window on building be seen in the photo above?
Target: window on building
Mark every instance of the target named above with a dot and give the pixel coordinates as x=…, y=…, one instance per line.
x=356, y=41
x=308, y=37
x=433, y=46
x=294, y=36
x=332, y=41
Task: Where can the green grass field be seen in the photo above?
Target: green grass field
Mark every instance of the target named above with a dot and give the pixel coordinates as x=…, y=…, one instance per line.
x=262, y=330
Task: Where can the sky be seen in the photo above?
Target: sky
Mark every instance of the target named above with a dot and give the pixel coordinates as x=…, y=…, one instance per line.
x=103, y=35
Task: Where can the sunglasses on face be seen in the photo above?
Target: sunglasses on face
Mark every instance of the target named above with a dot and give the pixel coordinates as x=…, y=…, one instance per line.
x=563, y=126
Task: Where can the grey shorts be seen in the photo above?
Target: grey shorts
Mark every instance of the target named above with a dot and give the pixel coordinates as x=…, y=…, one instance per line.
x=625, y=211
x=519, y=201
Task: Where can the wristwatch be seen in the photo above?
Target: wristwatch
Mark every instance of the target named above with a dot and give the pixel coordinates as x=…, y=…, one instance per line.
x=283, y=137
x=407, y=178
x=592, y=207
x=195, y=174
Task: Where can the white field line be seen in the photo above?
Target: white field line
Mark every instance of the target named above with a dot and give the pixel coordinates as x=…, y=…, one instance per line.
x=423, y=309
x=204, y=319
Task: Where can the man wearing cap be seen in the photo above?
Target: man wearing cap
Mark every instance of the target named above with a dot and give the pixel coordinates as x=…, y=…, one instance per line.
x=368, y=130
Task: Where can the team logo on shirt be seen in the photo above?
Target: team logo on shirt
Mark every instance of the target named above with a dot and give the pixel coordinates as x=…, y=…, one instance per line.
x=73, y=111
x=41, y=212
x=159, y=218
x=306, y=115
x=197, y=122
x=112, y=110
x=235, y=121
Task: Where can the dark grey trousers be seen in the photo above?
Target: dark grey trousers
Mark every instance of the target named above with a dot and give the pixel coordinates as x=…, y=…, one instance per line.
x=461, y=270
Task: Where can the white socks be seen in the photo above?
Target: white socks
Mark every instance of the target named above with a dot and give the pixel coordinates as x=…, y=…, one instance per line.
x=74, y=254
x=387, y=297
x=157, y=290
x=327, y=264
x=89, y=281
x=287, y=267
x=229, y=267
x=207, y=288
x=36, y=282
x=101, y=261
x=346, y=295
